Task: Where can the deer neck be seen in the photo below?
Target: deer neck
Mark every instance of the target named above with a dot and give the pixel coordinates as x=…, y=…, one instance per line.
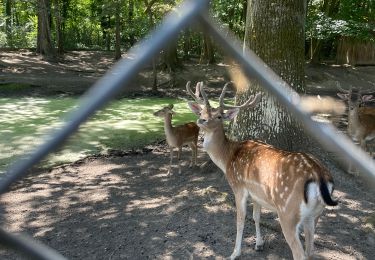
x=168, y=128
x=218, y=147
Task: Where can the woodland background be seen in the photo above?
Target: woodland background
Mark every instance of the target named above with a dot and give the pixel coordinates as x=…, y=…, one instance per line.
x=340, y=31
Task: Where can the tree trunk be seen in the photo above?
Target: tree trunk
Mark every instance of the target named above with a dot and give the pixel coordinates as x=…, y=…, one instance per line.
x=187, y=45
x=171, y=62
x=44, y=40
x=117, y=32
x=8, y=22
x=130, y=21
x=151, y=22
x=275, y=32
x=207, y=53
x=329, y=8
x=315, y=50
x=59, y=27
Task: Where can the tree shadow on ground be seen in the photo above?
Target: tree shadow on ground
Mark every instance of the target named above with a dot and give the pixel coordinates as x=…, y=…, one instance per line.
x=127, y=207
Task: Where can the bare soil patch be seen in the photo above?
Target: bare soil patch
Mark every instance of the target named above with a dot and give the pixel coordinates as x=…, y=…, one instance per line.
x=125, y=206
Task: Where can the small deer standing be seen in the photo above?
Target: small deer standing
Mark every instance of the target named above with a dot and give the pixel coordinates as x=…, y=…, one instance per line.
x=361, y=119
x=295, y=185
x=179, y=135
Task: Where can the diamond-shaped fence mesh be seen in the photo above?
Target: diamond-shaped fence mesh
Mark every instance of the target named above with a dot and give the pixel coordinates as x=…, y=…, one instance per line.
x=124, y=71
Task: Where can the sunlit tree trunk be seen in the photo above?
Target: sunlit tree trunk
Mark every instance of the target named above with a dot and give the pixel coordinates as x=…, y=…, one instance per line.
x=275, y=32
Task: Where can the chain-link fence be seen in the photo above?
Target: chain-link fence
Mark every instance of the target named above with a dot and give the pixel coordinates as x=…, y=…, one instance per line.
x=125, y=70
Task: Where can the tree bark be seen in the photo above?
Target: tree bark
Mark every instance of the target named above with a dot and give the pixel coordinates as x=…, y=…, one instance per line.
x=151, y=21
x=130, y=21
x=44, y=40
x=59, y=27
x=8, y=22
x=187, y=45
x=275, y=32
x=207, y=53
x=117, y=31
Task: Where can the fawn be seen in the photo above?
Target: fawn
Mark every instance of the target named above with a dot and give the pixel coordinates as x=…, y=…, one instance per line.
x=294, y=185
x=179, y=135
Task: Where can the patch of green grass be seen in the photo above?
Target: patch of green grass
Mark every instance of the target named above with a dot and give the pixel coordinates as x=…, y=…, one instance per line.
x=124, y=124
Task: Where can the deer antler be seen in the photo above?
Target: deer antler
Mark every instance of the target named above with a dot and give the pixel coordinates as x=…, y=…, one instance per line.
x=250, y=102
x=203, y=93
x=196, y=95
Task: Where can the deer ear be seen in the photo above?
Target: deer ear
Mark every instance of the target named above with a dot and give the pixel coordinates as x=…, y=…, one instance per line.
x=170, y=106
x=231, y=113
x=195, y=107
x=343, y=96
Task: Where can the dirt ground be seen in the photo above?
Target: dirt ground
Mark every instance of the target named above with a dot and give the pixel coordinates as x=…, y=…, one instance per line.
x=125, y=206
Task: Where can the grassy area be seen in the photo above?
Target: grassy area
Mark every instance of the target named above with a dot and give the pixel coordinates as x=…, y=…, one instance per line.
x=124, y=124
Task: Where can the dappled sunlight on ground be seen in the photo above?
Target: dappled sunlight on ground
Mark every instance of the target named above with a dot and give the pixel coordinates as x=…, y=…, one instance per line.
x=125, y=124
x=128, y=207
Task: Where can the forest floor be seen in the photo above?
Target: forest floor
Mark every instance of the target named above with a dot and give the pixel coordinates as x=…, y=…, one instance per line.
x=125, y=206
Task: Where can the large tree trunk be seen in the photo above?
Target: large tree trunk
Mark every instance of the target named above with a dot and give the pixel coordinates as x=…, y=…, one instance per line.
x=275, y=32
x=44, y=40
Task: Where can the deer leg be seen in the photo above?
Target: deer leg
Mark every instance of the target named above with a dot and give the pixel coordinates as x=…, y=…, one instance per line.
x=256, y=216
x=309, y=230
x=241, y=199
x=289, y=226
x=193, y=148
x=171, y=159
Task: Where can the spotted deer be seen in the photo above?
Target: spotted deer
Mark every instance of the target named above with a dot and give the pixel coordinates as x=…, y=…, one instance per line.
x=294, y=185
x=179, y=135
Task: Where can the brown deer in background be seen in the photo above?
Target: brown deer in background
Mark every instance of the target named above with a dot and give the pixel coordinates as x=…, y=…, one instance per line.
x=361, y=119
x=179, y=135
x=294, y=185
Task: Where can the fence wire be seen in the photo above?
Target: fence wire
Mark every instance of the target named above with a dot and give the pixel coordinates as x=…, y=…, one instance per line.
x=125, y=70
